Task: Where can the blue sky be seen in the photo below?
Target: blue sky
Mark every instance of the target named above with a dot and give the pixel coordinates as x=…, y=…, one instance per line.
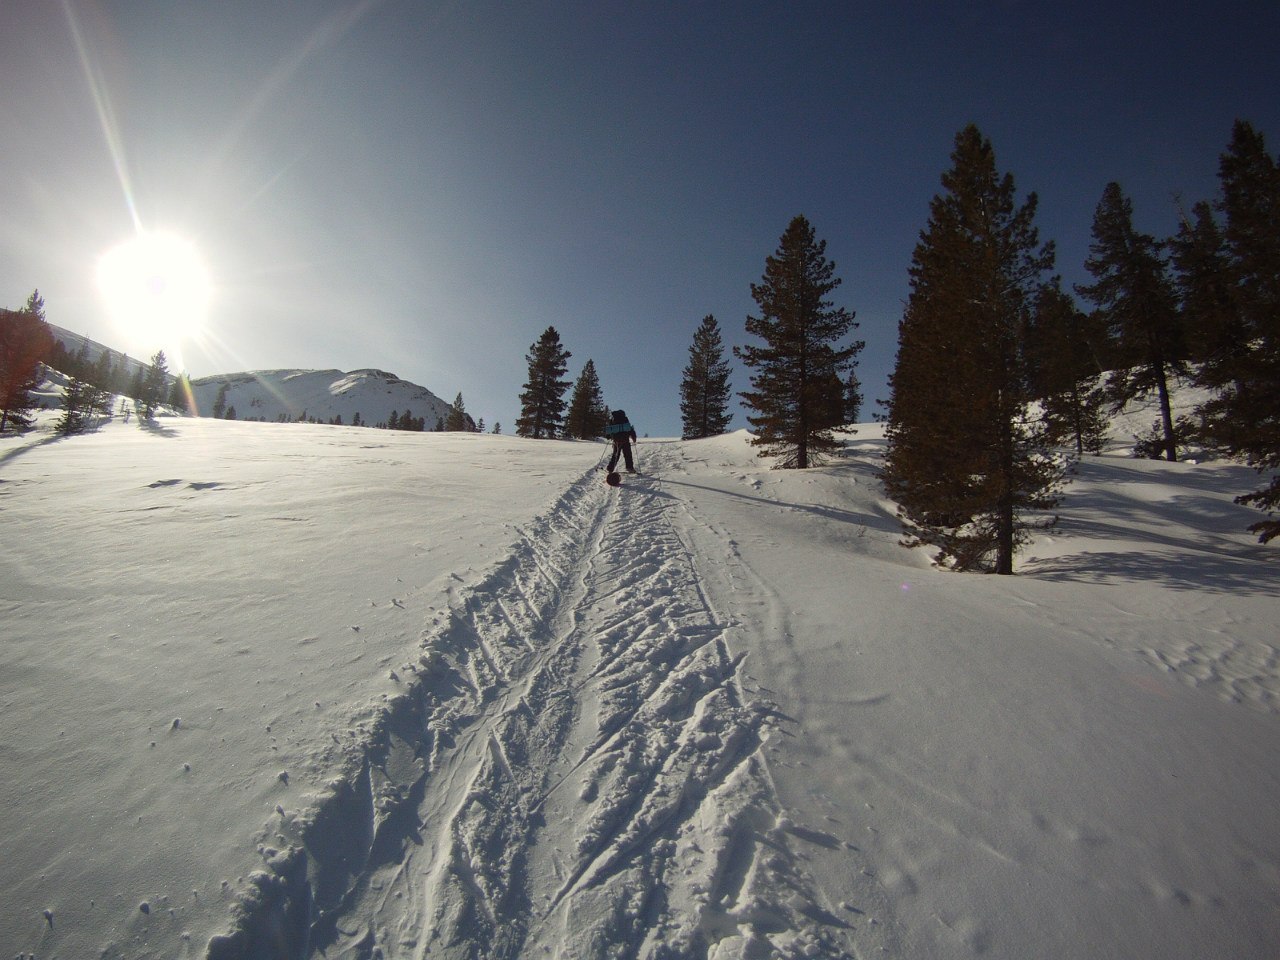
x=424, y=187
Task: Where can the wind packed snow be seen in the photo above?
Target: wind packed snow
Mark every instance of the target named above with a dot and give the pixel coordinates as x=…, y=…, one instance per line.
x=278, y=690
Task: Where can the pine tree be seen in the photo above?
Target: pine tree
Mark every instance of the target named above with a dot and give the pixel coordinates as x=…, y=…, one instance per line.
x=220, y=401
x=791, y=393
x=1136, y=300
x=1215, y=332
x=965, y=462
x=542, y=400
x=1064, y=371
x=497, y=428
x=25, y=340
x=705, y=390
x=153, y=385
x=456, y=421
x=181, y=397
x=852, y=398
x=587, y=415
x=1238, y=297
x=77, y=405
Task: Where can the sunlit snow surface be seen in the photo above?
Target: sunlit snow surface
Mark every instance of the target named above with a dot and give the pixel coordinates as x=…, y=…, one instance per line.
x=351, y=693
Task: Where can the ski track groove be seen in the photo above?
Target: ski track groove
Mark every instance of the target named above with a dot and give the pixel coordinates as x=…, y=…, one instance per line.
x=588, y=776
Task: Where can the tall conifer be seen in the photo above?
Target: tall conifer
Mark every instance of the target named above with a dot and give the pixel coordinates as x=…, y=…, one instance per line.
x=1239, y=299
x=587, y=413
x=1065, y=373
x=457, y=420
x=704, y=389
x=965, y=462
x=542, y=400
x=1136, y=300
x=801, y=361
x=154, y=385
x=25, y=342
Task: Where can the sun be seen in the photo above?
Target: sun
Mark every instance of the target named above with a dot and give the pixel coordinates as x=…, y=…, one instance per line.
x=156, y=288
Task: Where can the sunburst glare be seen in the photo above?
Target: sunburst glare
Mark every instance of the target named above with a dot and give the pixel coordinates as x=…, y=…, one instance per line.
x=156, y=288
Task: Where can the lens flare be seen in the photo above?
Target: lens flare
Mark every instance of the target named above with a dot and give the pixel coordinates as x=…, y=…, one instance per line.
x=156, y=288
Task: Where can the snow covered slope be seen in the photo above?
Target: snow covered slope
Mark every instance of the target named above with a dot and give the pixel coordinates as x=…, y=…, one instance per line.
x=320, y=395
x=288, y=691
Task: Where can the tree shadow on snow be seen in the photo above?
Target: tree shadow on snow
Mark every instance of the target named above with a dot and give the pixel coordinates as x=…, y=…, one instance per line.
x=882, y=522
x=156, y=428
x=16, y=452
x=1215, y=560
x=1178, y=570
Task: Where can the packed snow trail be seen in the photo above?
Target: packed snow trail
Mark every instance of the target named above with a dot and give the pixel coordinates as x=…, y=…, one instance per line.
x=576, y=771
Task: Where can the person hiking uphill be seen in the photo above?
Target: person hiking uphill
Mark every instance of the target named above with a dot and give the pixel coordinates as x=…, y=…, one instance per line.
x=623, y=434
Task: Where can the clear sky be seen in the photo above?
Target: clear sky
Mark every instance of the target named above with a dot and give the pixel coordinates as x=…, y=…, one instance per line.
x=424, y=187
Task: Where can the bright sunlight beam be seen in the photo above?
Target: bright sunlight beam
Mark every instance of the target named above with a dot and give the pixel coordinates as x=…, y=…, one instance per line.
x=156, y=288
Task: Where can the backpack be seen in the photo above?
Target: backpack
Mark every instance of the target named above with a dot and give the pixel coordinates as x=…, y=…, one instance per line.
x=618, y=424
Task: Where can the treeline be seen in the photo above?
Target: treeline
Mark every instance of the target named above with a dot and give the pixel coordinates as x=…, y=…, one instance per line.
x=1001, y=375
x=998, y=366
x=457, y=420
x=28, y=347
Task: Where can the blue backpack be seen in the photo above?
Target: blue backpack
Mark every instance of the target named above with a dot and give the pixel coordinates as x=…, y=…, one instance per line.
x=618, y=424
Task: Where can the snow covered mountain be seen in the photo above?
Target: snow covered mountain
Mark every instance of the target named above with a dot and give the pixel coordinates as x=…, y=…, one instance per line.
x=361, y=396
x=317, y=691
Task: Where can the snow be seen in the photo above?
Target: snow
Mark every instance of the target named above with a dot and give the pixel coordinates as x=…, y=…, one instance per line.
x=290, y=690
x=319, y=395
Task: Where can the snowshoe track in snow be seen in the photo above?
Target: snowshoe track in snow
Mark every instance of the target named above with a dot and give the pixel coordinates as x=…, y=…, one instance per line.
x=575, y=771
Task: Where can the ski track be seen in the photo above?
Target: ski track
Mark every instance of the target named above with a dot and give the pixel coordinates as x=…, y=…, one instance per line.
x=573, y=771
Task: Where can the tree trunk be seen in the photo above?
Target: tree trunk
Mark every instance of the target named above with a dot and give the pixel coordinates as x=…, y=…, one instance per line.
x=1166, y=415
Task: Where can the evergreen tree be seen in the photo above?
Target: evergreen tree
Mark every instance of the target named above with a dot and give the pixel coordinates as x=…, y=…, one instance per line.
x=103, y=375
x=497, y=428
x=456, y=421
x=705, y=390
x=542, y=400
x=153, y=385
x=1238, y=297
x=220, y=401
x=480, y=425
x=393, y=421
x=587, y=415
x=82, y=403
x=852, y=398
x=231, y=412
x=181, y=397
x=25, y=340
x=792, y=386
x=1216, y=336
x=1136, y=300
x=965, y=462
x=74, y=407
x=1064, y=372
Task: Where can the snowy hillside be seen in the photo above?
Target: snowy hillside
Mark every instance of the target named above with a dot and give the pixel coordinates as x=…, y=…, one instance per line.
x=318, y=395
x=293, y=691
x=74, y=343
